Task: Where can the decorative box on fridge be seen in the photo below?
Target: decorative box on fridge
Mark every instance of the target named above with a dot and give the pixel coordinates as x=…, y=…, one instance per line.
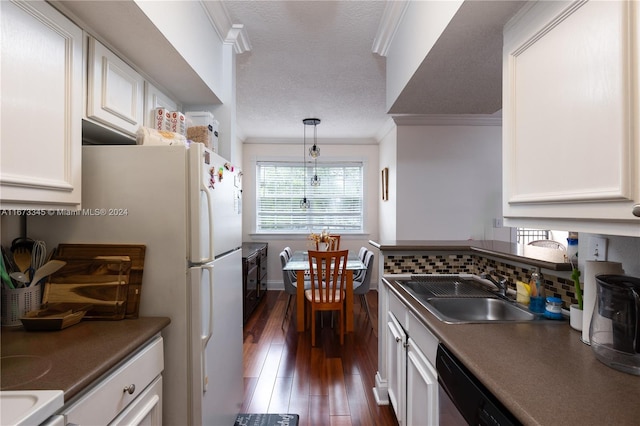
x=201, y=127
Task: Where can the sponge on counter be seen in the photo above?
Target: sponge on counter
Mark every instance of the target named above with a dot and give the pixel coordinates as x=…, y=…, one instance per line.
x=523, y=291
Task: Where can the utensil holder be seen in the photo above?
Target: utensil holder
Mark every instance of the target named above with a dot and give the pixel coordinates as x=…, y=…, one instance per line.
x=17, y=302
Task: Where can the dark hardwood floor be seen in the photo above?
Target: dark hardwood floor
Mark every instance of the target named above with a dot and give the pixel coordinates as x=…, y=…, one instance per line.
x=325, y=385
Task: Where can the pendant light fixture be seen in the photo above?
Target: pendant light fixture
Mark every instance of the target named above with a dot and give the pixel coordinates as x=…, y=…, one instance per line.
x=304, y=203
x=314, y=151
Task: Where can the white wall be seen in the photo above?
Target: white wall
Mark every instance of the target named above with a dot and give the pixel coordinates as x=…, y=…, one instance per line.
x=449, y=182
x=625, y=250
x=388, y=158
x=254, y=152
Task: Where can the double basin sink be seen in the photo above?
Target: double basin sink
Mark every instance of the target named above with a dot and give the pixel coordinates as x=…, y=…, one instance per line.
x=460, y=300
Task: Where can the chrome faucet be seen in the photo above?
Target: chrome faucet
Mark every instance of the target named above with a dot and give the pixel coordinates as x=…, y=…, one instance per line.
x=503, y=284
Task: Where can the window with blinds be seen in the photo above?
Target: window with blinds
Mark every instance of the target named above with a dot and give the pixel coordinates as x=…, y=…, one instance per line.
x=335, y=205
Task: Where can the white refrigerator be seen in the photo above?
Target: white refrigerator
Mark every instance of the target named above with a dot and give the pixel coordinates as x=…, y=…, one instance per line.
x=185, y=205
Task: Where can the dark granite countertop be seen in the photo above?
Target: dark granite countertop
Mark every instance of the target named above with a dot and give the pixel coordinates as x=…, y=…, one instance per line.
x=70, y=359
x=542, y=372
x=499, y=249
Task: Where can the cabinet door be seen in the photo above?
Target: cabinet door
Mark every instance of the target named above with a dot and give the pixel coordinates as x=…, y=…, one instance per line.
x=570, y=140
x=422, y=388
x=114, y=91
x=396, y=366
x=41, y=107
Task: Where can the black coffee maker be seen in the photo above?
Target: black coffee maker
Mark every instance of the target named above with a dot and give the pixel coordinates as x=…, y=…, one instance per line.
x=615, y=325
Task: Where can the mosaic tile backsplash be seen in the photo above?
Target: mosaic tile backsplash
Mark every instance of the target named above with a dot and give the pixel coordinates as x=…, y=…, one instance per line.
x=426, y=263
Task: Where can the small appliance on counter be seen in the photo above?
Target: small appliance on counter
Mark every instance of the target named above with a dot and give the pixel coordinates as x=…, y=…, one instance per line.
x=615, y=325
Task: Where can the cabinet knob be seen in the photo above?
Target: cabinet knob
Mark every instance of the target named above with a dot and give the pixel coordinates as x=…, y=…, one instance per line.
x=129, y=389
x=636, y=210
x=398, y=339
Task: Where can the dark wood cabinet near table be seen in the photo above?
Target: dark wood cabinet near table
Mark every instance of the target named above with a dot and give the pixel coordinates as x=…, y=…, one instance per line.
x=254, y=276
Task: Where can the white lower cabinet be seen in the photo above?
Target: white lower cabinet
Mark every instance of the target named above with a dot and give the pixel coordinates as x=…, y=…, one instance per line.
x=130, y=395
x=411, y=375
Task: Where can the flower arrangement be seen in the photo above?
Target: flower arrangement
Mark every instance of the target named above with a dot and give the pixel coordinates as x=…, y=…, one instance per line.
x=322, y=237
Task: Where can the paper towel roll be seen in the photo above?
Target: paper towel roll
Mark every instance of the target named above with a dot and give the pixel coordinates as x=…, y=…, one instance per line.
x=591, y=269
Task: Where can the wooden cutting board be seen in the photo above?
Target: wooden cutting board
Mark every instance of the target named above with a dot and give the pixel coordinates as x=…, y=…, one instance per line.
x=102, y=282
x=135, y=252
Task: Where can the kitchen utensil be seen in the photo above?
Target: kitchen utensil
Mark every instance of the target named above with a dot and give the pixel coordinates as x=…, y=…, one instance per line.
x=4, y=276
x=38, y=254
x=47, y=269
x=22, y=258
x=20, y=277
x=615, y=324
x=21, y=250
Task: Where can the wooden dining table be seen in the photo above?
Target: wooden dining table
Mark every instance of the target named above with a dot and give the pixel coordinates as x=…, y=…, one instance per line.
x=299, y=262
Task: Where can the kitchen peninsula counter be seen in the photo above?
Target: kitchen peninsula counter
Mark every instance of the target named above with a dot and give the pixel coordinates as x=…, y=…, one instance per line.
x=540, y=371
x=73, y=358
x=498, y=249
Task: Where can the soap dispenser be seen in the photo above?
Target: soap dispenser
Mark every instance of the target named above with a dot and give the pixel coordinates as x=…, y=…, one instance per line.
x=538, y=294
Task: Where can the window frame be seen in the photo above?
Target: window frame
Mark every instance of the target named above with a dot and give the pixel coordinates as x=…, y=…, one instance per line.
x=361, y=163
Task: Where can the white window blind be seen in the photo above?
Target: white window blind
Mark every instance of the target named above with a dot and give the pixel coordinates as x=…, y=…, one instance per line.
x=335, y=205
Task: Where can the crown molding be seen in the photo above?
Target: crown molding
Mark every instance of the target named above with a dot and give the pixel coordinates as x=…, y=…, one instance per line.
x=387, y=127
x=449, y=120
x=391, y=17
x=237, y=36
x=229, y=32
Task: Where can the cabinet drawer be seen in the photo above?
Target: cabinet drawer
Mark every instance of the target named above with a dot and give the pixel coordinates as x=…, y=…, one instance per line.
x=251, y=262
x=145, y=410
x=398, y=309
x=109, y=396
x=427, y=342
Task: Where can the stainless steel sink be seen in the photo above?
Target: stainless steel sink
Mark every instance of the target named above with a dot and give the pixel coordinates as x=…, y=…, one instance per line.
x=459, y=300
x=477, y=310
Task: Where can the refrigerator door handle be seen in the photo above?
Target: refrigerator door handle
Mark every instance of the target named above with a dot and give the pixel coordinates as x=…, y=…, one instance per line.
x=206, y=337
x=210, y=212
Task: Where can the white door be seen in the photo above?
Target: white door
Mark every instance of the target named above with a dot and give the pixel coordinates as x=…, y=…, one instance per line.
x=222, y=400
x=201, y=207
x=422, y=388
x=396, y=358
x=115, y=90
x=201, y=320
x=227, y=212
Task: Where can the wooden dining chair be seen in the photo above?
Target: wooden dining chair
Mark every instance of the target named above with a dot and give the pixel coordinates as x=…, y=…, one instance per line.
x=328, y=276
x=334, y=243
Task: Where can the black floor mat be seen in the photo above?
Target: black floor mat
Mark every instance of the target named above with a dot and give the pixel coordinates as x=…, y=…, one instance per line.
x=267, y=420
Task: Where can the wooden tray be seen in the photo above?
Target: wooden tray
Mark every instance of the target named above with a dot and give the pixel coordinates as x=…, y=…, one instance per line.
x=102, y=281
x=135, y=252
x=55, y=316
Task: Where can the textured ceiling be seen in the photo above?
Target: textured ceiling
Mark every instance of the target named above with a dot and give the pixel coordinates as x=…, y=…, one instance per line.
x=309, y=59
x=315, y=59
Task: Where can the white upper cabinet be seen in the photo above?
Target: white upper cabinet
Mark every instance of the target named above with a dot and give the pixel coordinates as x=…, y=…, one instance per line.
x=571, y=151
x=115, y=91
x=41, y=107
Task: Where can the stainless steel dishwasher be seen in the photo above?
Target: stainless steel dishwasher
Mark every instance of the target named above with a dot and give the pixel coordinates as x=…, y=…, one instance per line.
x=462, y=399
